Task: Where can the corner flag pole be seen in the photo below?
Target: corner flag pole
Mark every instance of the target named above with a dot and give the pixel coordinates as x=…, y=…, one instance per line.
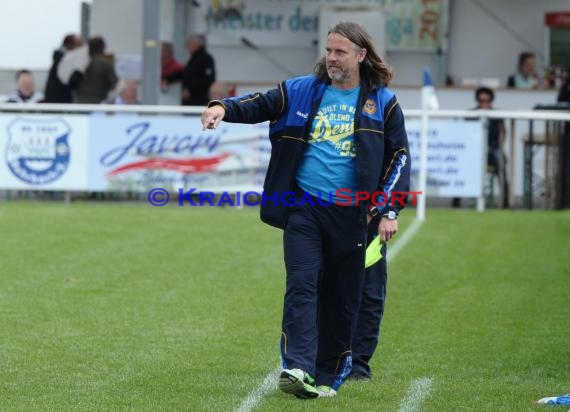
x=429, y=101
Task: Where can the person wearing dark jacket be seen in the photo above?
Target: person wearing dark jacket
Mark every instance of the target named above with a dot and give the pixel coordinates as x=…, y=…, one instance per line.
x=564, y=92
x=56, y=91
x=199, y=73
x=99, y=78
x=334, y=133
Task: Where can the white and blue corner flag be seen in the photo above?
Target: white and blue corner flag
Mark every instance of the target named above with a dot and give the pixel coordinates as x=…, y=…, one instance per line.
x=429, y=97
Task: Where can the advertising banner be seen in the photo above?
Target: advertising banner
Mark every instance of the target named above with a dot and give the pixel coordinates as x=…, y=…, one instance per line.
x=455, y=157
x=409, y=24
x=127, y=152
x=136, y=153
x=43, y=152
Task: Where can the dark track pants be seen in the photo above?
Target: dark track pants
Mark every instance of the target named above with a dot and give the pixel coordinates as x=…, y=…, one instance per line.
x=371, y=311
x=324, y=248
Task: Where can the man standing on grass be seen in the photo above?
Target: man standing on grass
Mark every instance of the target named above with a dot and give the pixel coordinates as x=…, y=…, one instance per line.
x=340, y=128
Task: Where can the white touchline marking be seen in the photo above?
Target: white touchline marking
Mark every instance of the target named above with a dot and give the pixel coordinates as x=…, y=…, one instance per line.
x=270, y=382
x=254, y=397
x=404, y=239
x=417, y=393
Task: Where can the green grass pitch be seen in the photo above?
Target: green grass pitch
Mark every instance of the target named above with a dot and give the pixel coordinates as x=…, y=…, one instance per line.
x=129, y=307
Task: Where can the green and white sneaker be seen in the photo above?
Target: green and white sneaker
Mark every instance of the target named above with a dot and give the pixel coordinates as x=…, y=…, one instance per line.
x=326, y=391
x=298, y=383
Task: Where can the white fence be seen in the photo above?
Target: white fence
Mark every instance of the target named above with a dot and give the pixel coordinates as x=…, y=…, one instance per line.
x=94, y=148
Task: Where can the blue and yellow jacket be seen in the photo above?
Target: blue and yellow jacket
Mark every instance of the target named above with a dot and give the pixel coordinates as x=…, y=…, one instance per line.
x=381, y=143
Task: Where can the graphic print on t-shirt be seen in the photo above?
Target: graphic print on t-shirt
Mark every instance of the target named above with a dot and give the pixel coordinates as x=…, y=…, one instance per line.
x=329, y=162
x=335, y=123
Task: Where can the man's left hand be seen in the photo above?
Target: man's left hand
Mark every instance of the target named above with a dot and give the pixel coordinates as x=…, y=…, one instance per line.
x=387, y=229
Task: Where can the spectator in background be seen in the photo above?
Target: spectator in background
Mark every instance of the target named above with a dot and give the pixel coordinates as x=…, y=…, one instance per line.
x=25, y=89
x=199, y=73
x=219, y=90
x=127, y=92
x=550, y=79
x=564, y=92
x=99, y=77
x=170, y=67
x=496, y=158
x=56, y=91
x=525, y=77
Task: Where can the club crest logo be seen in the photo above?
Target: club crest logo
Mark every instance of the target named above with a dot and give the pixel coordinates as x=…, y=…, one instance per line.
x=370, y=106
x=38, y=150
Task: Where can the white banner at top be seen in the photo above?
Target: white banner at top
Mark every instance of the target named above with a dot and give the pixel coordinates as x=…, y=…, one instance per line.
x=410, y=24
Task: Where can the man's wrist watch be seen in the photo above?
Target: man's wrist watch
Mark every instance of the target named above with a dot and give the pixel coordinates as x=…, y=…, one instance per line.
x=390, y=215
x=373, y=211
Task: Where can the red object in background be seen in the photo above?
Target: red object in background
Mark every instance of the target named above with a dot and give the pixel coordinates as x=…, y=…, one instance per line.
x=194, y=165
x=558, y=19
x=170, y=68
x=233, y=90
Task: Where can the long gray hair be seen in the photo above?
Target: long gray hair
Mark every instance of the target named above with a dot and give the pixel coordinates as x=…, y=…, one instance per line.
x=373, y=70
